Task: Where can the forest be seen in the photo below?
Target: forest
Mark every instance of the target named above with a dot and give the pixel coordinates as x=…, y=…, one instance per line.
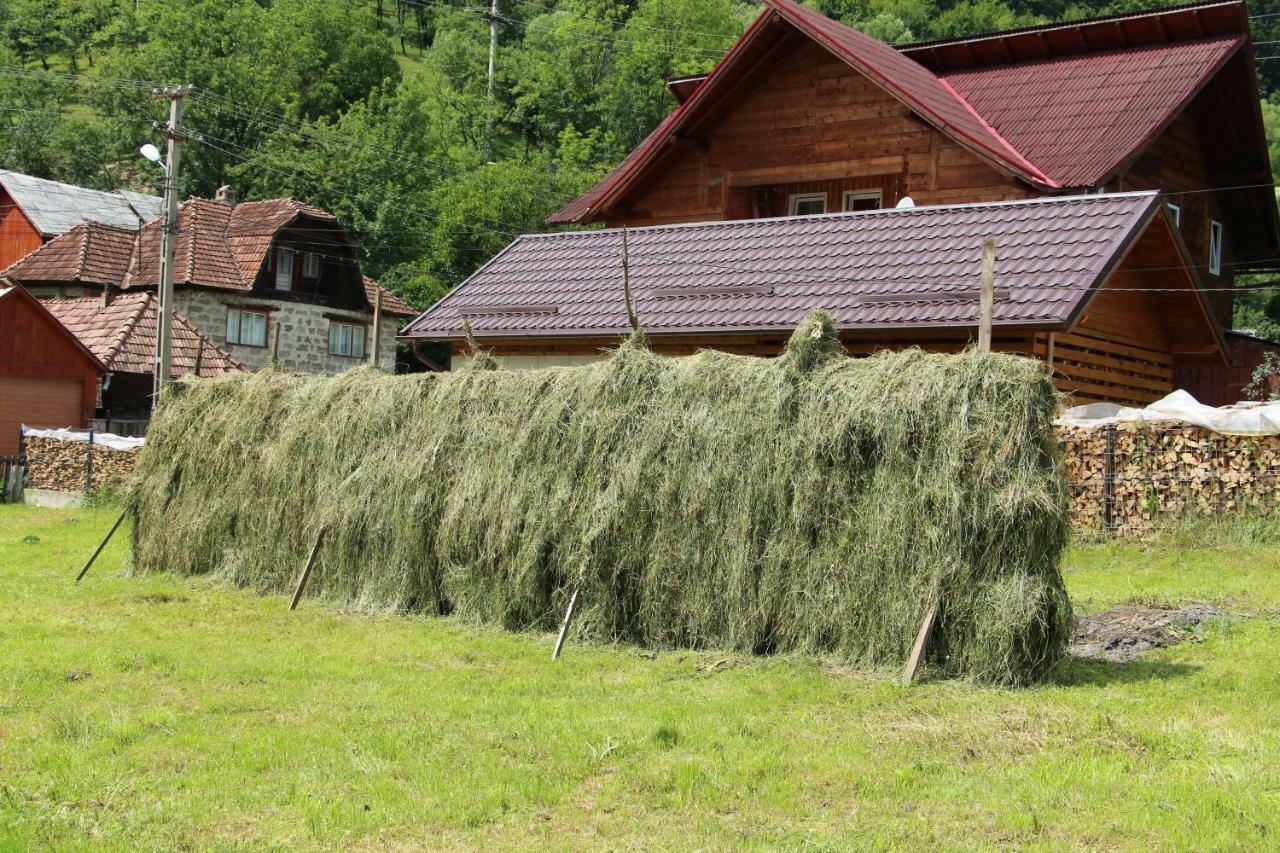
x=381, y=111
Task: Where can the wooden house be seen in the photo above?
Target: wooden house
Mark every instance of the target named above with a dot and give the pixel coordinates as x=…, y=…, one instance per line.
x=48, y=378
x=1042, y=139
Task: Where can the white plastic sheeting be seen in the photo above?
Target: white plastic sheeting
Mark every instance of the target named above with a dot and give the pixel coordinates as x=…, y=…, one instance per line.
x=1240, y=419
x=104, y=439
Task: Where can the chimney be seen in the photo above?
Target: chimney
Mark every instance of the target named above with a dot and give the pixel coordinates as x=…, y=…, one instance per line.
x=226, y=194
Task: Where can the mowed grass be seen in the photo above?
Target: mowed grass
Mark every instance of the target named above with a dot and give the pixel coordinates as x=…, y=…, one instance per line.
x=161, y=712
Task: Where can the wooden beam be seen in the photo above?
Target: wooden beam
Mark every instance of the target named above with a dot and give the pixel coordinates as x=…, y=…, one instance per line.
x=101, y=545
x=922, y=640
x=306, y=570
x=564, y=626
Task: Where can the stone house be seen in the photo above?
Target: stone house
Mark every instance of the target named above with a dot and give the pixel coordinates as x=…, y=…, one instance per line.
x=263, y=280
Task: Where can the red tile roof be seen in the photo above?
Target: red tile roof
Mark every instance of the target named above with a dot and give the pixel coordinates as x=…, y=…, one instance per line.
x=123, y=335
x=1060, y=106
x=1080, y=117
x=887, y=269
x=391, y=304
x=89, y=252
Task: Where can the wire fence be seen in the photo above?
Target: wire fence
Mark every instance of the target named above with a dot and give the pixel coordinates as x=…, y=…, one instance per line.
x=1133, y=478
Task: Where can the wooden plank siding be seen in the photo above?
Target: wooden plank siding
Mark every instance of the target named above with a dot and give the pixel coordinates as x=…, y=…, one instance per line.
x=18, y=237
x=810, y=124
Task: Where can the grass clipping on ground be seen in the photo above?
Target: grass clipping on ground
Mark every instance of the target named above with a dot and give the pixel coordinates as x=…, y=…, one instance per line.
x=809, y=503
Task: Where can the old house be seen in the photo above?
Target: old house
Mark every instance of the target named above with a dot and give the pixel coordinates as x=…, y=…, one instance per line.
x=48, y=378
x=34, y=211
x=1120, y=164
x=122, y=334
x=263, y=280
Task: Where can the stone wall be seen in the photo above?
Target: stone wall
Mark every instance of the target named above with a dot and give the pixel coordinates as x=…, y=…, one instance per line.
x=304, y=331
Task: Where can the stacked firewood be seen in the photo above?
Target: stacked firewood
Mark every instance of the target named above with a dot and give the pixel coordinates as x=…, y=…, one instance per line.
x=1130, y=476
x=63, y=465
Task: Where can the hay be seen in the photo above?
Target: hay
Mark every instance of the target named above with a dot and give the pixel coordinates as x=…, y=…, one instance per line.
x=810, y=503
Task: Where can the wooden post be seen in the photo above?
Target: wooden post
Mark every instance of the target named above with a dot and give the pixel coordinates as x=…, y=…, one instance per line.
x=199, y=356
x=472, y=345
x=88, y=465
x=626, y=284
x=275, y=346
x=922, y=640
x=377, y=327
x=306, y=571
x=564, y=627
x=988, y=295
x=103, y=544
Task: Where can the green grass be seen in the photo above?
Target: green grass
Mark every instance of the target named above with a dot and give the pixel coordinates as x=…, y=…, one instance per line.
x=157, y=712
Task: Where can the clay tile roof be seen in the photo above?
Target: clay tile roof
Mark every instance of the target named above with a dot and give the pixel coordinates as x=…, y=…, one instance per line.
x=202, y=255
x=391, y=304
x=879, y=270
x=123, y=335
x=89, y=252
x=267, y=216
x=1080, y=117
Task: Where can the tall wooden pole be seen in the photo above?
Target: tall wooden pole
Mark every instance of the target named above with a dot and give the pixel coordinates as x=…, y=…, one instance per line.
x=626, y=284
x=377, y=327
x=164, y=322
x=988, y=295
x=493, y=55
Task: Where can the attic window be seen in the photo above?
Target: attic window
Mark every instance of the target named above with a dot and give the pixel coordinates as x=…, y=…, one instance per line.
x=862, y=200
x=284, y=269
x=807, y=204
x=1215, y=247
x=310, y=265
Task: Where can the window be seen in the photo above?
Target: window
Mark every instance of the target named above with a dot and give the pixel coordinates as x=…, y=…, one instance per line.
x=310, y=265
x=284, y=269
x=807, y=204
x=862, y=200
x=346, y=339
x=1175, y=213
x=247, y=328
x=1215, y=247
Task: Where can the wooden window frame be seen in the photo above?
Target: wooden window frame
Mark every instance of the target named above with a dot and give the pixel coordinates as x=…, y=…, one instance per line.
x=309, y=258
x=353, y=325
x=240, y=314
x=858, y=195
x=281, y=252
x=1216, y=238
x=796, y=199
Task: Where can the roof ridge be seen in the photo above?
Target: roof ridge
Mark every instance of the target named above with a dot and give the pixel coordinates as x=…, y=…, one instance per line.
x=884, y=211
x=1055, y=25
x=126, y=331
x=84, y=251
x=191, y=246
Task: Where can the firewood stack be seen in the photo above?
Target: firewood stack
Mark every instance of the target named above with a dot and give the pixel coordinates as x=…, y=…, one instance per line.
x=1129, y=476
x=61, y=465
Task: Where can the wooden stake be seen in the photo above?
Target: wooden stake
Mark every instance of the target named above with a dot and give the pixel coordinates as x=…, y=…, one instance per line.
x=626, y=284
x=988, y=295
x=564, y=628
x=472, y=345
x=110, y=533
x=922, y=640
x=306, y=571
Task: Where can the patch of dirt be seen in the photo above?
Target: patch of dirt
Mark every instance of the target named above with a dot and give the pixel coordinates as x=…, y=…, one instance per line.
x=1123, y=633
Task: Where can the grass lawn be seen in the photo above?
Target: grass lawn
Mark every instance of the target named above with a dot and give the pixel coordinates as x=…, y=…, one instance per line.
x=162, y=712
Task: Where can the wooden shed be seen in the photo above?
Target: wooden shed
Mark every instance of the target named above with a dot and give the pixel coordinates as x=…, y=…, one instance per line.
x=48, y=378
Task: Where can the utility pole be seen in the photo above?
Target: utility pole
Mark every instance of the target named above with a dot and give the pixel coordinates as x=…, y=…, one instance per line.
x=493, y=53
x=164, y=323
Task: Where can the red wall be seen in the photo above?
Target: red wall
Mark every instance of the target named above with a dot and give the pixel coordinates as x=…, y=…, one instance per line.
x=18, y=237
x=36, y=347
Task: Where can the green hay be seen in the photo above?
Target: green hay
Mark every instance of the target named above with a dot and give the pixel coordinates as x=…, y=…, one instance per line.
x=809, y=503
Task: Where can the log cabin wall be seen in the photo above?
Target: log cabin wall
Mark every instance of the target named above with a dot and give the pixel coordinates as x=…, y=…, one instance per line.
x=1175, y=164
x=810, y=124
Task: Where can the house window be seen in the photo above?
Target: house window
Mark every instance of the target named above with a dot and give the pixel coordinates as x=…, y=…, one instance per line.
x=310, y=265
x=862, y=200
x=247, y=328
x=284, y=269
x=346, y=339
x=1215, y=247
x=807, y=204
x=1175, y=213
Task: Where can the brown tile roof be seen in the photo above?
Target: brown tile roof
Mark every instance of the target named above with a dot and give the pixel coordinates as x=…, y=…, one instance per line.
x=123, y=335
x=89, y=252
x=391, y=304
x=913, y=268
x=218, y=246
